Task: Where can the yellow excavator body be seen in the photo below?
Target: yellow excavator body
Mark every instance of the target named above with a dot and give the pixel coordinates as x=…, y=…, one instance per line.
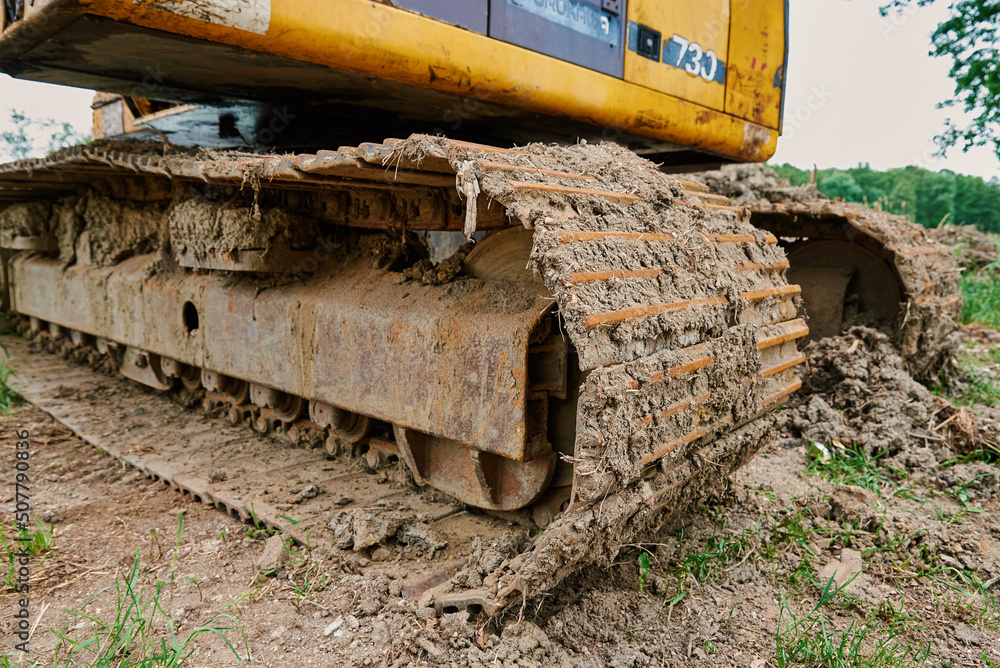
x=703, y=79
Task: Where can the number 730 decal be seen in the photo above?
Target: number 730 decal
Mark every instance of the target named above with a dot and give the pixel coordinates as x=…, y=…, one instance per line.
x=693, y=59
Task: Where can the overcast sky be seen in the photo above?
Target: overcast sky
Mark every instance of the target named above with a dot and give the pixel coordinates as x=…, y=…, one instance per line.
x=861, y=88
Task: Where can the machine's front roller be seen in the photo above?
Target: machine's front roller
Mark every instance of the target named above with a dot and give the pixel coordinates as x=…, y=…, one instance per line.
x=606, y=352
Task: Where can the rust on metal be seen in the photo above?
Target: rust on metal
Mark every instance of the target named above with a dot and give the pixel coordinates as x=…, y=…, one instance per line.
x=709, y=205
x=783, y=365
x=246, y=332
x=756, y=295
x=682, y=369
x=766, y=266
x=612, y=317
x=693, y=186
x=665, y=450
x=785, y=331
x=731, y=238
x=504, y=167
x=589, y=276
x=568, y=236
x=573, y=190
x=781, y=394
x=479, y=478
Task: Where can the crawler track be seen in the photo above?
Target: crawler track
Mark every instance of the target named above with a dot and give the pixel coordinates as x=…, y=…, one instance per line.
x=627, y=382
x=250, y=476
x=921, y=274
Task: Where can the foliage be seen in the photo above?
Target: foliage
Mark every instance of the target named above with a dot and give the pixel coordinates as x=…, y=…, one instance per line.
x=852, y=466
x=34, y=543
x=927, y=197
x=811, y=640
x=981, y=292
x=33, y=137
x=969, y=38
x=643, y=569
x=9, y=398
x=141, y=633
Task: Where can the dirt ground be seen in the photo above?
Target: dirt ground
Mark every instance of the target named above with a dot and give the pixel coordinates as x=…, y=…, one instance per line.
x=879, y=557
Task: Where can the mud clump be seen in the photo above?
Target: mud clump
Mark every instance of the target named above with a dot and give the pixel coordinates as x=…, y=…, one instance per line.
x=428, y=273
x=974, y=248
x=116, y=230
x=857, y=391
x=360, y=529
x=754, y=183
x=488, y=559
x=201, y=225
x=25, y=220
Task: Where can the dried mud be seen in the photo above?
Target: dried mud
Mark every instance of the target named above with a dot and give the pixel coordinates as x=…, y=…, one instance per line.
x=856, y=390
x=359, y=614
x=756, y=183
x=974, y=248
x=616, y=497
x=625, y=412
x=115, y=230
x=924, y=329
x=199, y=224
x=27, y=220
x=625, y=415
x=693, y=267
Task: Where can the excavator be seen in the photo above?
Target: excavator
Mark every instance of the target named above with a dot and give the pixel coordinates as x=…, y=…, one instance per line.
x=524, y=297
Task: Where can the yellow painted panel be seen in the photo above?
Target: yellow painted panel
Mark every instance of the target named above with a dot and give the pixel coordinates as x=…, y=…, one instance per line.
x=692, y=64
x=378, y=40
x=756, y=61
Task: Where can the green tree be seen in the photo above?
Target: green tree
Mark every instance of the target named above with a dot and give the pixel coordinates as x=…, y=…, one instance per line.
x=840, y=184
x=927, y=197
x=969, y=37
x=31, y=137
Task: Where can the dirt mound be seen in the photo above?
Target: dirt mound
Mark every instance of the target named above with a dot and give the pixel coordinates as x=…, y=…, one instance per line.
x=753, y=183
x=974, y=248
x=857, y=391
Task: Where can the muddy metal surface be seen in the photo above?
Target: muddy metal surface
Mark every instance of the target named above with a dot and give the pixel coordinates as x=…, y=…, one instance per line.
x=316, y=500
x=861, y=266
x=674, y=307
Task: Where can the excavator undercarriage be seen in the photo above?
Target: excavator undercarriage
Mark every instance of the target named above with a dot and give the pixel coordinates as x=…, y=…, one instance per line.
x=607, y=350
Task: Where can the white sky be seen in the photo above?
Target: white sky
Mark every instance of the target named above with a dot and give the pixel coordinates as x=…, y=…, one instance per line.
x=873, y=90
x=861, y=88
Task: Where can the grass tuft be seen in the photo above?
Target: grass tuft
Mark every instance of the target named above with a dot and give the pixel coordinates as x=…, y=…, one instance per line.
x=812, y=640
x=141, y=633
x=9, y=398
x=35, y=543
x=852, y=466
x=981, y=291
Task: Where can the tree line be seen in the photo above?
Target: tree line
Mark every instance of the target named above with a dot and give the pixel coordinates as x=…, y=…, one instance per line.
x=927, y=198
